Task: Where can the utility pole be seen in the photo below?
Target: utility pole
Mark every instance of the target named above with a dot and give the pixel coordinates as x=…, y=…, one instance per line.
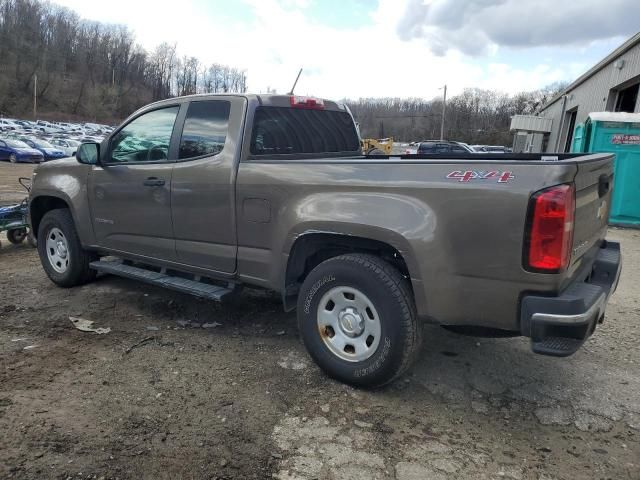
x=35, y=97
x=444, y=109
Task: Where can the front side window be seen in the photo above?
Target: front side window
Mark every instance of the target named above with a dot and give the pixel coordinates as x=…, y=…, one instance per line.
x=145, y=139
x=205, y=129
x=278, y=131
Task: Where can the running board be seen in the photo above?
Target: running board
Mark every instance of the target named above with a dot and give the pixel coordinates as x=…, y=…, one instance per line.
x=161, y=279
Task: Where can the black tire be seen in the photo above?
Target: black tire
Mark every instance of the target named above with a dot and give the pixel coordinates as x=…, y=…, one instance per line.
x=17, y=235
x=390, y=293
x=78, y=271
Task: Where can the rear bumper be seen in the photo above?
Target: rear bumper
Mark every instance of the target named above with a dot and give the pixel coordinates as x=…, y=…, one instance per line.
x=559, y=325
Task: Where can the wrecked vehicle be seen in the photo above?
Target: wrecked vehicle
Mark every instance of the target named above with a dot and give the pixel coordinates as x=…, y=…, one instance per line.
x=204, y=194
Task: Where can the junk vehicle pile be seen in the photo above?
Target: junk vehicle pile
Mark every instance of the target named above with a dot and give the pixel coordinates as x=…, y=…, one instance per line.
x=41, y=141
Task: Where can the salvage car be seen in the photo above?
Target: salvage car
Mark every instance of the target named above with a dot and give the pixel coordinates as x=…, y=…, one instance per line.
x=67, y=145
x=205, y=194
x=48, y=151
x=16, y=151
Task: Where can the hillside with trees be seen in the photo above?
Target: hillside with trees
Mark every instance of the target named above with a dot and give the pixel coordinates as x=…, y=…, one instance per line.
x=475, y=116
x=96, y=72
x=89, y=70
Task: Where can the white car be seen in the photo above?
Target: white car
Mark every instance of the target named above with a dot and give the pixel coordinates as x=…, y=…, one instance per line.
x=67, y=145
x=6, y=124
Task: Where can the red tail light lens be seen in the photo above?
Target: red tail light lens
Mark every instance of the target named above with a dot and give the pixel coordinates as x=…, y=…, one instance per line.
x=307, y=102
x=550, y=231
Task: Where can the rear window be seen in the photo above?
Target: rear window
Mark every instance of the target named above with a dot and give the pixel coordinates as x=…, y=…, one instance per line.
x=205, y=129
x=278, y=131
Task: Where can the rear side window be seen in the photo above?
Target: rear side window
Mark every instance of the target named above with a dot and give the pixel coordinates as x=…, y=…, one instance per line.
x=205, y=129
x=427, y=148
x=278, y=131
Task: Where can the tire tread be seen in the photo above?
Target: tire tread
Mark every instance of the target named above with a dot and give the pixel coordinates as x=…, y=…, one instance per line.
x=400, y=289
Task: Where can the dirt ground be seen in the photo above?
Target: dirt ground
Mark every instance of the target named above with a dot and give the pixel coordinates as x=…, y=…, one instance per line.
x=185, y=388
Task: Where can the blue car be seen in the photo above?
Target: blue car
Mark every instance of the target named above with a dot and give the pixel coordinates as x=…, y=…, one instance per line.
x=17, y=151
x=49, y=151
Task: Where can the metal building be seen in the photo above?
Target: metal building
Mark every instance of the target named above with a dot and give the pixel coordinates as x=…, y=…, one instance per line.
x=611, y=85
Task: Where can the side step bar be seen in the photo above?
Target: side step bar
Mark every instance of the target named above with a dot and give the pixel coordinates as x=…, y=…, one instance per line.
x=184, y=285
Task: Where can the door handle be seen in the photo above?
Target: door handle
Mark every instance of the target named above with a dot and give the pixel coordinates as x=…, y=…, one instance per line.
x=153, y=182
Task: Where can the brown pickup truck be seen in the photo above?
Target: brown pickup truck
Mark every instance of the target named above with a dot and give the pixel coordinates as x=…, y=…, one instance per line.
x=204, y=194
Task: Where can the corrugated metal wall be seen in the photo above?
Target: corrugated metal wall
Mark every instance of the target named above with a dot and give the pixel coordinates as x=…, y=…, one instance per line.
x=592, y=95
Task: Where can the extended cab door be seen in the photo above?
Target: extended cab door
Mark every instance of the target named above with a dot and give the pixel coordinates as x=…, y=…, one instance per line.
x=203, y=188
x=130, y=191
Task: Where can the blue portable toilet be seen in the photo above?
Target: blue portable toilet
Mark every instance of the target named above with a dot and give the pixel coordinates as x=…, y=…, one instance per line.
x=619, y=133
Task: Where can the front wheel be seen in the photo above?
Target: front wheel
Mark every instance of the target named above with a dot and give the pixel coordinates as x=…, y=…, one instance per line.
x=17, y=235
x=64, y=260
x=13, y=158
x=358, y=321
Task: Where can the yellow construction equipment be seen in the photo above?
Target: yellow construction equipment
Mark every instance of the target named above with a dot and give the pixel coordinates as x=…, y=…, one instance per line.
x=380, y=146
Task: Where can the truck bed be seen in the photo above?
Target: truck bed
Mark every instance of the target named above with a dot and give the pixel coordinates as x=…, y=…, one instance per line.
x=459, y=222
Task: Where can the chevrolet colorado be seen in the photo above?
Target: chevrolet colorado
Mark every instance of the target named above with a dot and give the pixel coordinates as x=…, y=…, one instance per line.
x=204, y=194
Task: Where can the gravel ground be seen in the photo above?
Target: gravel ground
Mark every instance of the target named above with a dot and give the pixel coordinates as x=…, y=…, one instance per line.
x=184, y=388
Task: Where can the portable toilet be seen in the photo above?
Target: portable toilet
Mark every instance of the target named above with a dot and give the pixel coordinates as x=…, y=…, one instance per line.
x=619, y=133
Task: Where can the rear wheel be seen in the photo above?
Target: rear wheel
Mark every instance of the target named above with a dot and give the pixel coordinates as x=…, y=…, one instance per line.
x=13, y=158
x=17, y=235
x=357, y=319
x=61, y=254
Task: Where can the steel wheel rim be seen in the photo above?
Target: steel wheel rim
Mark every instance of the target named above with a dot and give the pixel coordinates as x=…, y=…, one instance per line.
x=57, y=248
x=13, y=158
x=349, y=324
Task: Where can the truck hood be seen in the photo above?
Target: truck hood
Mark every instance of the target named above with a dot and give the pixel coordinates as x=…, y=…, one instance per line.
x=54, y=166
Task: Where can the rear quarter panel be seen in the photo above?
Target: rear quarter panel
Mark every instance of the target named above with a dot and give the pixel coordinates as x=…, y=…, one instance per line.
x=462, y=241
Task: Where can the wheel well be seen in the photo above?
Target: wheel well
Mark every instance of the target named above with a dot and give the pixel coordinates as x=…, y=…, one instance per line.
x=41, y=205
x=312, y=249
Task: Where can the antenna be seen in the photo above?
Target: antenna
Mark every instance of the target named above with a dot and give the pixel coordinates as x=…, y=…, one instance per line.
x=295, y=83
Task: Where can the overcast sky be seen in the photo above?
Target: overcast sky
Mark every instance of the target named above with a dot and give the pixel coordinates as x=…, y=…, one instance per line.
x=403, y=48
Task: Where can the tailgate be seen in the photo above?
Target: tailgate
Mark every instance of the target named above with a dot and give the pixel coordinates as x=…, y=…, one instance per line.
x=594, y=183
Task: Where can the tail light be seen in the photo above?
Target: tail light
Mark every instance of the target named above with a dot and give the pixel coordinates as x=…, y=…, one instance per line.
x=307, y=102
x=550, y=229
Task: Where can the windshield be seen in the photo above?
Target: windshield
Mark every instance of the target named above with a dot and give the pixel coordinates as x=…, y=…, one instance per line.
x=42, y=144
x=16, y=144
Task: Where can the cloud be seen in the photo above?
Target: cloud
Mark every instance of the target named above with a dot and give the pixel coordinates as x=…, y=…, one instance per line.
x=272, y=39
x=474, y=26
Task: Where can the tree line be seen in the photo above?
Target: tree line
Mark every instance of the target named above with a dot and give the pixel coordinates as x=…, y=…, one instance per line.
x=89, y=70
x=475, y=116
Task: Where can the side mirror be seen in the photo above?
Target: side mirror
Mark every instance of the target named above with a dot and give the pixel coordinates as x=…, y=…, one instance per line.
x=88, y=153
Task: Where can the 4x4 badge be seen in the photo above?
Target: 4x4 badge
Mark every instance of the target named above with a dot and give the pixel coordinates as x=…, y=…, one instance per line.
x=468, y=175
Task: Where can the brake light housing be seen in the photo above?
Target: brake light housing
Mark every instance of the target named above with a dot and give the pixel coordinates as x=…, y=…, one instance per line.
x=310, y=103
x=549, y=232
